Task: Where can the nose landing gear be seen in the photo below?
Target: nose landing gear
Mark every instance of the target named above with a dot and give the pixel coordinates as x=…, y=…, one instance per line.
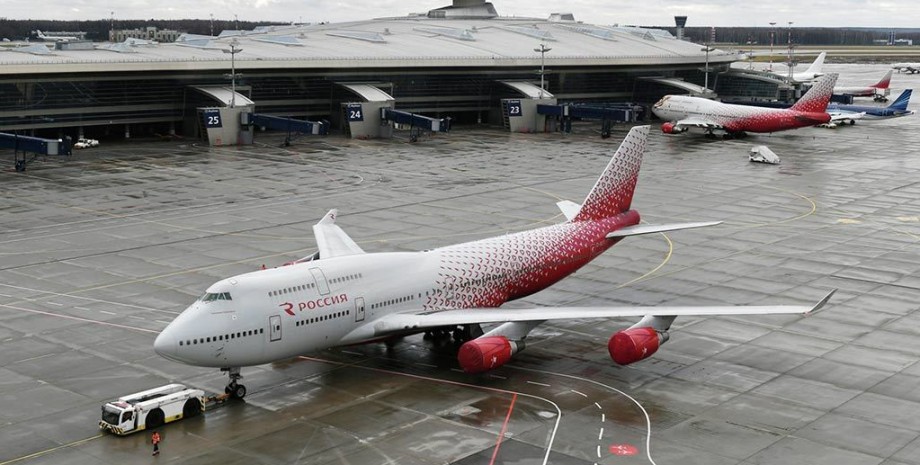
x=236, y=390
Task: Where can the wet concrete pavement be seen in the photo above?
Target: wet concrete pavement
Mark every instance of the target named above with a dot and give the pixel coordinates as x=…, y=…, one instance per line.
x=98, y=253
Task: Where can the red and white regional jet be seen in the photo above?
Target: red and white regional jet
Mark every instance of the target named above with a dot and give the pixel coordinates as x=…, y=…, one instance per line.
x=878, y=90
x=682, y=112
x=342, y=295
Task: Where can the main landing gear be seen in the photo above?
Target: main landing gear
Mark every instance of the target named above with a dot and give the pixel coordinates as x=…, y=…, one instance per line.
x=236, y=390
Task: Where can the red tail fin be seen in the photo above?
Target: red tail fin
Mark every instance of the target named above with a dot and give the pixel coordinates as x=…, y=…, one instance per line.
x=817, y=98
x=613, y=192
x=885, y=82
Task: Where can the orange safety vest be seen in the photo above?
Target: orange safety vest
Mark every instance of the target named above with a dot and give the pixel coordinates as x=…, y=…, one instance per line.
x=156, y=438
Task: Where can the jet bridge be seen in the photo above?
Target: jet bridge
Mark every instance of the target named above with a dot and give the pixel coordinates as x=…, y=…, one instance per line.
x=607, y=113
x=24, y=145
x=520, y=114
x=417, y=123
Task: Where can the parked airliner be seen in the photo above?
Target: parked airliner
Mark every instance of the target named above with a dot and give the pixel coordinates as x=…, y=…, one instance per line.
x=342, y=295
x=879, y=90
x=813, y=72
x=682, y=112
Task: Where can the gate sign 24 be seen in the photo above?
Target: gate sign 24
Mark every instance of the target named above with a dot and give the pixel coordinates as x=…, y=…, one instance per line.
x=514, y=108
x=354, y=112
x=212, y=119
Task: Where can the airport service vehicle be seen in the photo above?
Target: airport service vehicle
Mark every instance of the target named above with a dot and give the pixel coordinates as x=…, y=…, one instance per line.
x=878, y=91
x=82, y=143
x=682, y=112
x=151, y=409
x=343, y=296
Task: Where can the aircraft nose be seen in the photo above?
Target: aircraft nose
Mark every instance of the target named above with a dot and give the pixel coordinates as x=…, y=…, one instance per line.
x=165, y=345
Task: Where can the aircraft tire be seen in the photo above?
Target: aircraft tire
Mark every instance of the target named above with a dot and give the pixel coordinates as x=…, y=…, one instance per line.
x=238, y=391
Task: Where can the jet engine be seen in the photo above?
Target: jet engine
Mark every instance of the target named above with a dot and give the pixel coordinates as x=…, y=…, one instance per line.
x=634, y=344
x=487, y=353
x=671, y=128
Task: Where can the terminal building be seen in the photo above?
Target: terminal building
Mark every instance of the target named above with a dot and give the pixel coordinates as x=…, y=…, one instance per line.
x=462, y=61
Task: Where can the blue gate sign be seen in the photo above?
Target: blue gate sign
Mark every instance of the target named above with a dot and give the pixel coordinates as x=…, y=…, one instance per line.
x=212, y=119
x=514, y=108
x=354, y=112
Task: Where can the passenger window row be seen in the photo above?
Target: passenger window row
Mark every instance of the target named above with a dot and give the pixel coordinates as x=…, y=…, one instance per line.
x=395, y=301
x=322, y=318
x=222, y=337
x=346, y=278
x=289, y=290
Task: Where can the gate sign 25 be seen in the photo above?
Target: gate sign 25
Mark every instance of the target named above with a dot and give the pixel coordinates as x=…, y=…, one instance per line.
x=355, y=112
x=514, y=108
x=212, y=119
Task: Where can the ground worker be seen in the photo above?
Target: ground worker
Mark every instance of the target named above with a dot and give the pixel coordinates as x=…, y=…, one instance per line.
x=156, y=442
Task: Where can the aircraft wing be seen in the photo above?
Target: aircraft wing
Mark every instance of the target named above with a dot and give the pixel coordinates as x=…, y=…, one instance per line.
x=698, y=123
x=403, y=323
x=331, y=240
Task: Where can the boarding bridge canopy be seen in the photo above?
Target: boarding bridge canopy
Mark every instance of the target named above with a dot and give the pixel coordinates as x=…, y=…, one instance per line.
x=368, y=92
x=224, y=95
x=528, y=90
x=680, y=84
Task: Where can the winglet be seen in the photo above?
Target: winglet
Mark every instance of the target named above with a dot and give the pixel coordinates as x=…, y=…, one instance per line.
x=568, y=208
x=821, y=302
x=330, y=217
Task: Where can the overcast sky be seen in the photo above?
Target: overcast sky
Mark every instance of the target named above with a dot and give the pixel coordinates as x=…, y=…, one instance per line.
x=885, y=13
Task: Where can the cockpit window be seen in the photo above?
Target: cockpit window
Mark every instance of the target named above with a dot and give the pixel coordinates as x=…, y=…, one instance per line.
x=210, y=297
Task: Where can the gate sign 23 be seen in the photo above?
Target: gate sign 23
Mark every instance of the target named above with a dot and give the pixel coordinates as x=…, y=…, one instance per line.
x=514, y=108
x=212, y=118
x=354, y=112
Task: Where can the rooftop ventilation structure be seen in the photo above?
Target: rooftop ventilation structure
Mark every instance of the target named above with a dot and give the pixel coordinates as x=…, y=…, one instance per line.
x=529, y=31
x=460, y=34
x=593, y=31
x=465, y=9
x=359, y=35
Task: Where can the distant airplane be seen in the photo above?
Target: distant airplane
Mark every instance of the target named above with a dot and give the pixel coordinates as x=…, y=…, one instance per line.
x=813, y=72
x=846, y=113
x=343, y=296
x=41, y=36
x=868, y=91
x=684, y=112
x=907, y=67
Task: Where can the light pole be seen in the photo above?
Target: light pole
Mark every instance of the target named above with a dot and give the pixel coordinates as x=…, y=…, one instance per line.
x=772, y=35
x=234, y=49
x=707, y=49
x=791, y=64
x=543, y=49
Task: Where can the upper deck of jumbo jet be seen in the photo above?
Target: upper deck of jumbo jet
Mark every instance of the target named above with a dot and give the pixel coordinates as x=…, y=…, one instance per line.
x=414, y=41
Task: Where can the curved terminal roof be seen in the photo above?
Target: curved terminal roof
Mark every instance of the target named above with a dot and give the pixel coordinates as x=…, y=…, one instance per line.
x=405, y=42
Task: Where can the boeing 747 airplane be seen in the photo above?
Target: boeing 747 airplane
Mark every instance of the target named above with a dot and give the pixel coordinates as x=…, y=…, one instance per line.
x=879, y=90
x=342, y=295
x=682, y=112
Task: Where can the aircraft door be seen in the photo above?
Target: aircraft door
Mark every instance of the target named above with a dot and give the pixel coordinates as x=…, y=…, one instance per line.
x=359, y=309
x=274, y=330
x=320, y=279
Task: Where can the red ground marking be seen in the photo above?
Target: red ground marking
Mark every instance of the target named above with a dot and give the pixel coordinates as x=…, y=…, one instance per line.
x=623, y=449
x=501, y=433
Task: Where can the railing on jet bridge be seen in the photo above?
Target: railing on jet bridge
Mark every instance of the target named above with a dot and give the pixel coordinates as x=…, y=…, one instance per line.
x=35, y=145
x=280, y=123
x=415, y=120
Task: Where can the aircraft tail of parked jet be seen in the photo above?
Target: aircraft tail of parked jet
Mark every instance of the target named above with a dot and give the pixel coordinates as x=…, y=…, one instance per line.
x=817, y=98
x=613, y=192
x=815, y=68
x=885, y=82
x=902, y=101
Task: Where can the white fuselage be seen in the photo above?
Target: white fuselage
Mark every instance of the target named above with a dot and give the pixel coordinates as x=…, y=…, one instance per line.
x=272, y=314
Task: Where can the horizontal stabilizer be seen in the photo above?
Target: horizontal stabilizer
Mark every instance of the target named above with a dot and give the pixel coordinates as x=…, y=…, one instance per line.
x=569, y=208
x=640, y=229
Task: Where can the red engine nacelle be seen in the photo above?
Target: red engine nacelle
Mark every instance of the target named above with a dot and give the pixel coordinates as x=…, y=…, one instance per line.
x=486, y=353
x=631, y=345
x=668, y=128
